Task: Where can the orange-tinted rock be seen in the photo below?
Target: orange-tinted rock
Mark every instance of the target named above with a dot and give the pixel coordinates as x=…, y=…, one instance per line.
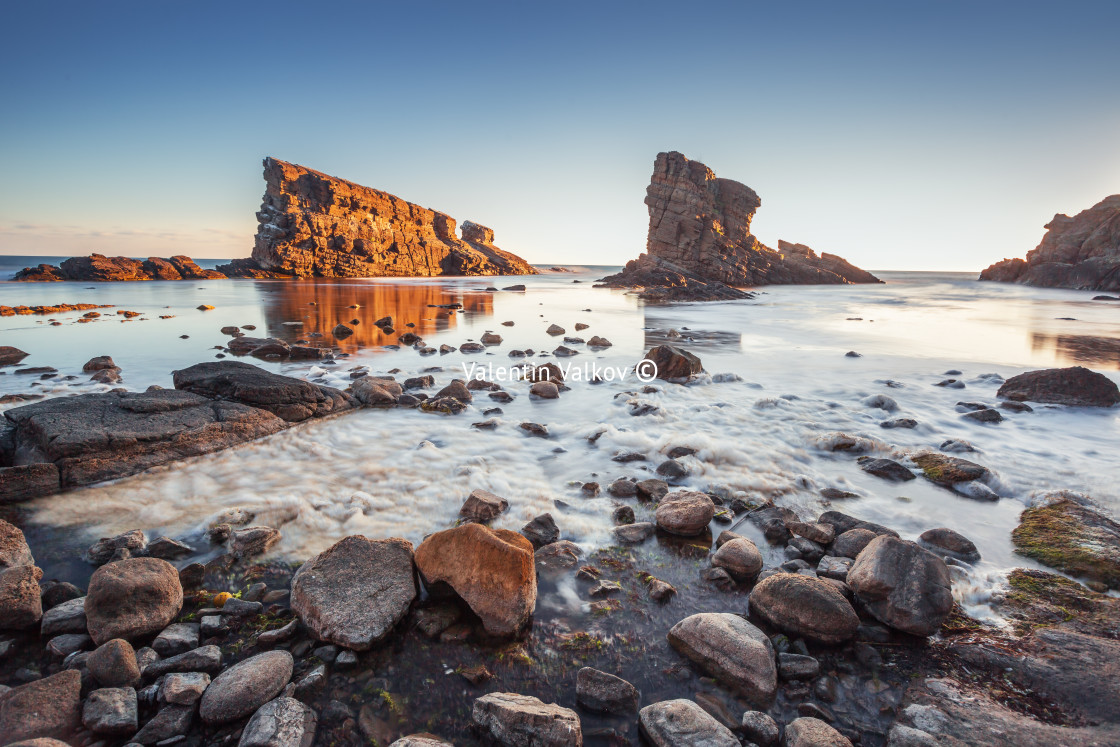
x=98, y=267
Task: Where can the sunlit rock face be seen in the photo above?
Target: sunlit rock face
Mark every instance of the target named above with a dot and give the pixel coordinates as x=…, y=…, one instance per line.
x=1078, y=252
x=312, y=224
x=700, y=226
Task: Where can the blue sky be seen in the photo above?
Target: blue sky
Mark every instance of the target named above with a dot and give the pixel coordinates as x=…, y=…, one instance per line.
x=899, y=135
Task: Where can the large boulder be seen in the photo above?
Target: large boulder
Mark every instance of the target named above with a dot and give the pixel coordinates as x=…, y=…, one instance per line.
x=1072, y=538
x=293, y=400
x=740, y=558
x=21, y=604
x=903, y=585
x=949, y=470
x=523, y=721
x=492, y=570
x=245, y=687
x=94, y=437
x=686, y=513
x=132, y=598
x=812, y=732
x=49, y=707
x=354, y=592
x=670, y=363
x=804, y=606
x=13, y=547
x=284, y=722
x=730, y=649
x=1077, y=386
x=682, y=723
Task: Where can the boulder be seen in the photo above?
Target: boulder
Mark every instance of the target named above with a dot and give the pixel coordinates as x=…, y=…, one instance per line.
x=183, y=688
x=49, y=707
x=483, y=506
x=541, y=531
x=682, y=723
x=805, y=606
x=944, y=541
x=492, y=570
x=670, y=363
x=523, y=721
x=250, y=541
x=132, y=598
x=740, y=558
x=1076, y=386
x=353, y=593
x=13, y=547
x=812, y=732
x=1072, y=538
x=10, y=355
x=948, y=470
x=686, y=513
x=21, y=602
x=903, y=585
x=293, y=400
x=67, y=617
x=605, y=693
x=113, y=664
x=851, y=543
x=730, y=649
x=544, y=390
x=245, y=687
x=760, y=728
x=284, y=722
x=172, y=721
x=457, y=389
x=111, y=711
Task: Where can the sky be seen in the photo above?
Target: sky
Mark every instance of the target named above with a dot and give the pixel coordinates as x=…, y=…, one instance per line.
x=902, y=136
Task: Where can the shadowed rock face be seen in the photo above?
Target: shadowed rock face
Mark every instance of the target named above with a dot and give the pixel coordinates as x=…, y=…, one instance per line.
x=1078, y=252
x=312, y=224
x=699, y=226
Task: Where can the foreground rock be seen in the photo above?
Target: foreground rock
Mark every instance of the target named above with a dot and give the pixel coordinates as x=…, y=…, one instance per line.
x=94, y=437
x=812, y=732
x=20, y=602
x=132, y=598
x=671, y=363
x=521, y=720
x=686, y=513
x=682, y=723
x=492, y=570
x=312, y=224
x=245, y=687
x=356, y=591
x=1073, y=539
x=804, y=606
x=730, y=649
x=903, y=585
x=605, y=693
x=98, y=267
x=49, y=707
x=1078, y=252
x=284, y=722
x=294, y=400
x=1076, y=386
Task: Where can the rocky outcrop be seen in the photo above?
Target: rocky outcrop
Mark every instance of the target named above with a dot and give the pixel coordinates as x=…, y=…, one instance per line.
x=700, y=245
x=312, y=224
x=98, y=267
x=292, y=399
x=1078, y=252
x=1075, y=386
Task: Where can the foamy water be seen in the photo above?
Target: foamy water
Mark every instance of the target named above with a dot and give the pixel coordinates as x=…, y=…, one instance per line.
x=781, y=388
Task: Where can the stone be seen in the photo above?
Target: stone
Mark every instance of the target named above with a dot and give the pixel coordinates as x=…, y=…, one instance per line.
x=544, y=390
x=1075, y=386
x=312, y=224
x=815, y=531
x=67, y=617
x=90, y=438
x=457, y=389
x=284, y=722
x=433, y=620
x=541, y=531
x=113, y=664
x=902, y=585
x=670, y=363
x=797, y=667
x=682, y=723
x=899, y=423
x=290, y=399
x=176, y=638
x=623, y=488
x=842, y=522
x=171, y=721
x=132, y=598
x=557, y=556
x=632, y=534
x=483, y=506
x=278, y=635
x=355, y=592
x=111, y=711
x=760, y=728
x=421, y=740
x=23, y=482
x=168, y=549
x=251, y=541
x=183, y=688
x=651, y=489
x=605, y=693
x=48, y=707
x=851, y=543
x=672, y=469
x=831, y=566
x=944, y=541
x=492, y=570
x=812, y=732
x=804, y=606
x=888, y=469
x=948, y=470
x=730, y=649
x=13, y=547
x=102, y=551
x=10, y=355
x=524, y=721
x=685, y=513
x=245, y=687
x=373, y=392
x=202, y=659
x=21, y=601
x=63, y=645
x=1071, y=538
x=57, y=592
x=98, y=268
x=740, y=558
x=984, y=415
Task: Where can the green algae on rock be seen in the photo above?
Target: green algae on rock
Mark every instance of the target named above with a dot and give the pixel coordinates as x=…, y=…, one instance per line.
x=1071, y=538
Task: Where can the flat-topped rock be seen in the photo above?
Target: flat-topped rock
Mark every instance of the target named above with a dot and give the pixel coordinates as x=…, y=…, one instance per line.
x=730, y=649
x=98, y=267
x=521, y=720
x=291, y=399
x=1076, y=385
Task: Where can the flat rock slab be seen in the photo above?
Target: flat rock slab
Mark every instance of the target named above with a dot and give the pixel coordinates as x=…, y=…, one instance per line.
x=94, y=437
x=1072, y=538
x=245, y=687
x=512, y=719
x=293, y=400
x=1077, y=386
x=681, y=723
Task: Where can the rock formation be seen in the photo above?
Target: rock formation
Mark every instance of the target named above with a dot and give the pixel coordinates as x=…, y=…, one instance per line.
x=1078, y=252
x=312, y=224
x=700, y=246
x=99, y=267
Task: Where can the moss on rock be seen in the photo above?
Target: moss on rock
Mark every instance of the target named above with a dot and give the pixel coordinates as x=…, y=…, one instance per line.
x=1071, y=538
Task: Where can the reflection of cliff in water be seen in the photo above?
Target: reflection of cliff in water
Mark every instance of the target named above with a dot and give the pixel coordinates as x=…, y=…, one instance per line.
x=1078, y=349
x=321, y=305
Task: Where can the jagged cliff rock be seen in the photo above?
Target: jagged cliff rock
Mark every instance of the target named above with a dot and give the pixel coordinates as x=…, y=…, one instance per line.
x=312, y=224
x=1078, y=252
x=100, y=267
x=700, y=235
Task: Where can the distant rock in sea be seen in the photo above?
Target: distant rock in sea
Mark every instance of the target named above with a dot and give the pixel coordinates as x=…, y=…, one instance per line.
x=1079, y=252
x=312, y=224
x=700, y=246
x=97, y=267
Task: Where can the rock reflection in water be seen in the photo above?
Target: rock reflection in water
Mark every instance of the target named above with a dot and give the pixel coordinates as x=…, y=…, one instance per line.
x=1100, y=352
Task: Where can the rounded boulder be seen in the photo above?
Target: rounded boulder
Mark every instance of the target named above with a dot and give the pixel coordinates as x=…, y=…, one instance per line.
x=132, y=598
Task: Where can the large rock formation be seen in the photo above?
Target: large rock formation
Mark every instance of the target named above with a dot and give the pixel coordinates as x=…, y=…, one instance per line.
x=99, y=267
x=312, y=224
x=700, y=244
x=1078, y=252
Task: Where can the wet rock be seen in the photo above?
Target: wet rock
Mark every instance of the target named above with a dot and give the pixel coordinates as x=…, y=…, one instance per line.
x=374, y=392
x=457, y=389
x=283, y=722
x=902, y=585
x=183, y=688
x=1072, y=538
x=660, y=591
x=63, y=645
x=807, y=549
x=111, y=711
x=171, y=721
x=905, y=736
x=740, y=558
x=812, y=732
x=986, y=415
x=623, y=515
x=245, y=687
x=804, y=606
x=102, y=551
x=168, y=549
x=730, y=649
x=541, y=530
x=421, y=740
x=899, y=423
x=946, y=470
x=760, y=728
x=278, y=635
x=880, y=402
x=682, y=723
x=672, y=469
x=535, y=429
x=623, y=488
x=685, y=513
x=1075, y=386
x=524, y=721
x=192, y=575
x=558, y=556
x=834, y=567
x=10, y=355
x=114, y=665
x=27, y=481
x=291, y=399
x=943, y=541
x=632, y=534
x=797, y=667
x=49, y=707
x=483, y=506
x=671, y=363
x=772, y=521
x=842, y=522
x=21, y=601
x=651, y=490
x=251, y=541
x=67, y=617
x=57, y=592
x=491, y=570
x=605, y=693
x=851, y=543
x=598, y=342
x=356, y=591
x=132, y=598
x=544, y=390
x=888, y=469
x=814, y=531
